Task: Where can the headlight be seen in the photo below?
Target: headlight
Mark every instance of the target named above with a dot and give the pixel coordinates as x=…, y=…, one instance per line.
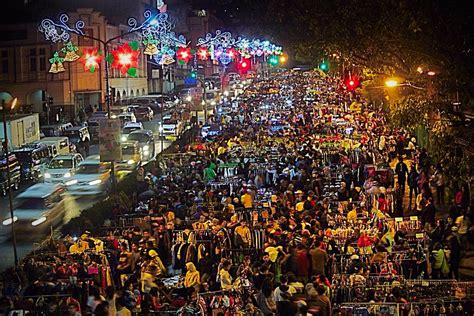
x=47, y=175
x=8, y=221
x=146, y=147
x=67, y=175
x=124, y=138
x=131, y=162
x=72, y=182
x=95, y=182
x=39, y=221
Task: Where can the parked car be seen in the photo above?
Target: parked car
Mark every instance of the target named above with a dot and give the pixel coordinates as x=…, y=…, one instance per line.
x=50, y=131
x=144, y=113
x=62, y=167
x=146, y=141
x=15, y=173
x=40, y=207
x=92, y=177
x=128, y=128
x=33, y=158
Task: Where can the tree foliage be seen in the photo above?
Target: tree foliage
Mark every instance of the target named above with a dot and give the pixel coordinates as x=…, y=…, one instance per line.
x=386, y=36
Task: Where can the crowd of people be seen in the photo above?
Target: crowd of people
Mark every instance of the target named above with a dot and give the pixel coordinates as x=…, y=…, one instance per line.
x=304, y=201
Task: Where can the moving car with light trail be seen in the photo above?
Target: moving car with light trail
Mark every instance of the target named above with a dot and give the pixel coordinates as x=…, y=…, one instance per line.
x=128, y=128
x=131, y=157
x=62, y=167
x=145, y=141
x=39, y=208
x=92, y=177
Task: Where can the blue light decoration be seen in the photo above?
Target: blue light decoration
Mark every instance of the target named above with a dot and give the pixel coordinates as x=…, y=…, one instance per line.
x=60, y=31
x=225, y=58
x=217, y=44
x=159, y=27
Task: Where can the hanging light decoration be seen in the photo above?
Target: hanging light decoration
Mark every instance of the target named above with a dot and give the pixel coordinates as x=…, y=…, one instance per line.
x=125, y=58
x=225, y=58
x=232, y=53
x=91, y=59
x=151, y=47
x=184, y=55
x=202, y=53
x=70, y=50
x=56, y=64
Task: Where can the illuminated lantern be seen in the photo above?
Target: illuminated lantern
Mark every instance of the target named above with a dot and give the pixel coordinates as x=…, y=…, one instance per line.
x=184, y=55
x=91, y=59
x=151, y=47
x=70, y=50
x=202, y=53
x=56, y=64
x=125, y=58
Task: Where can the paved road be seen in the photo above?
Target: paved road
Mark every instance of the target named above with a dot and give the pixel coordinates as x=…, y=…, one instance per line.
x=78, y=204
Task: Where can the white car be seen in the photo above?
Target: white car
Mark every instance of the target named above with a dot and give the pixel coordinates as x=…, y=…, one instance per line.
x=128, y=128
x=126, y=117
x=61, y=168
x=92, y=177
x=39, y=208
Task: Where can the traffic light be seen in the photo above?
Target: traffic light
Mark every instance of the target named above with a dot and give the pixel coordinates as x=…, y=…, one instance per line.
x=352, y=82
x=50, y=101
x=193, y=74
x=324, y=66
x=244, y=66
x=273, y=60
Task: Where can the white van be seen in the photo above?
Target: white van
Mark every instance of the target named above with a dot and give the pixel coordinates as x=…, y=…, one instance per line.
x=57, y=145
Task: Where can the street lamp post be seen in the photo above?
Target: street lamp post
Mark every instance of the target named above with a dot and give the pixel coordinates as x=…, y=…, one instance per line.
x=160, y=129
x=10, y=198
x=155, y=24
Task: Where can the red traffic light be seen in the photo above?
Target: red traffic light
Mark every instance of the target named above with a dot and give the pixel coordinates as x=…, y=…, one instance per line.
x=352, y=82
x=244, y=65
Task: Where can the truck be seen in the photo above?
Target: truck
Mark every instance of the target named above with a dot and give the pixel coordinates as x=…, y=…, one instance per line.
x=21, y=129
x=12, y=180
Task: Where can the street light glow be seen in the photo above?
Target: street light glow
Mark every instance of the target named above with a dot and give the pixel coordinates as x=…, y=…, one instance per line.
x=431, y=73
x=14, y=102
x=391, y=83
